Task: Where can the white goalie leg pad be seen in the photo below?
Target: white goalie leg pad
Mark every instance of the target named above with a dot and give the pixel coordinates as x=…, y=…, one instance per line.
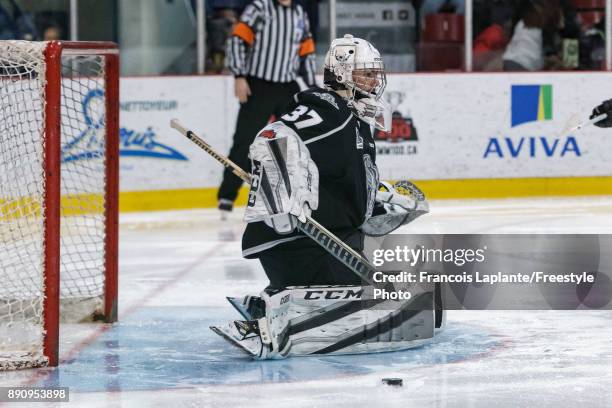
x=285, y=180
x=338, y=320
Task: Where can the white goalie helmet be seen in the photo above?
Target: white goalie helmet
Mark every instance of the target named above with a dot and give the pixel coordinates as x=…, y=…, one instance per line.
x=355, y=68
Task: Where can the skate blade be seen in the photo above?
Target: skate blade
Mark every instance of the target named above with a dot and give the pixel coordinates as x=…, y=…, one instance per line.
x=228, y=337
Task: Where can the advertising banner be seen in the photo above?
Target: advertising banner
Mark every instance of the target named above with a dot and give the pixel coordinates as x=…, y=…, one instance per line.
x=499, y=125
x=156, y=157
x=445, y=127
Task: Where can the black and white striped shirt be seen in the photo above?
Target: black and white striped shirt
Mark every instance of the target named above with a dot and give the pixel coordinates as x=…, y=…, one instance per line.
x=272, y=42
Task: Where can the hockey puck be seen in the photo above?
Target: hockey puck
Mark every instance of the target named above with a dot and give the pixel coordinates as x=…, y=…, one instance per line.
x=398, y=382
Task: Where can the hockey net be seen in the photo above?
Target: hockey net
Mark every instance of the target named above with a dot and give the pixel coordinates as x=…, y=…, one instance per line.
x=58, y=235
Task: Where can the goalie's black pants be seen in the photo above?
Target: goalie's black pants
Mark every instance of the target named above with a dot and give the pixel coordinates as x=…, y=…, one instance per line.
x=304, y=263
x=267, y=99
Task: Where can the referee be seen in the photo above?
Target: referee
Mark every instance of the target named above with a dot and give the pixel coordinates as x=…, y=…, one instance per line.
x=269, y=48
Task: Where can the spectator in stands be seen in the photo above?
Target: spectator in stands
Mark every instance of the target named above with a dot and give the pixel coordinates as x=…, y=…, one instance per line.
x=219, y=28
x=8, y=31
x=14, y=23
x=533, y=46
x=52, y=32
x=442, y=6
x=490, y=43
x=222, y=15
x=592, y=48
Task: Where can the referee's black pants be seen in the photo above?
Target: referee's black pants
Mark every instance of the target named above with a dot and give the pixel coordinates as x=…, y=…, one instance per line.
x=267, y=99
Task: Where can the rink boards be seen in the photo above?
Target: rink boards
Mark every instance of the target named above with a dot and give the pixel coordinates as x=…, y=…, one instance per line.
x=457, y=135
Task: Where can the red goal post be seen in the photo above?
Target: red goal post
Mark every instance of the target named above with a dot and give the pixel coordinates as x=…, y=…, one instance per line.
x=53, y=55
x=62, y=109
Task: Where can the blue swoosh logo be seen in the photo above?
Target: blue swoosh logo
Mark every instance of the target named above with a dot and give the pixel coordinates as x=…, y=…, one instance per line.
x=89, y=145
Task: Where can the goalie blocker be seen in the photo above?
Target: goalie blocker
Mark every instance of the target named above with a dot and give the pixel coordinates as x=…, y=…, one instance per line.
x=285, y=180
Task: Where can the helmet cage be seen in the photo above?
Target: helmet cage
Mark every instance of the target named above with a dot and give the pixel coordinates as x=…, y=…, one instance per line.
x=368, y=78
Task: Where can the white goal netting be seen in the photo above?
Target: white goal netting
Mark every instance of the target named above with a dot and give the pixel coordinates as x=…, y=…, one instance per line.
x=23, y=76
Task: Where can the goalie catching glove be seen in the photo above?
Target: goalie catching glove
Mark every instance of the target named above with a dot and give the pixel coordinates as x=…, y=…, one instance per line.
x=395, y=206
x=285, y=180
x=604, y=108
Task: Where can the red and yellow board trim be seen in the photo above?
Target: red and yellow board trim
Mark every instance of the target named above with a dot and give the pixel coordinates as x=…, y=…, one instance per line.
x=181, y=199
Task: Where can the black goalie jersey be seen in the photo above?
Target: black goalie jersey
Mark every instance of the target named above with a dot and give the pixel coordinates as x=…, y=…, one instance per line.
x=342, y=147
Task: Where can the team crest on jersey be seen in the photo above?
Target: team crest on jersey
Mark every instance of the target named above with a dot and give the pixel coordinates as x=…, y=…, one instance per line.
x=327, y=98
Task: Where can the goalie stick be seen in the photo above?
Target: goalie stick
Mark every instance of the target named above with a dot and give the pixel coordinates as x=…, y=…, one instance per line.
x=311, y=228
x=574, y=123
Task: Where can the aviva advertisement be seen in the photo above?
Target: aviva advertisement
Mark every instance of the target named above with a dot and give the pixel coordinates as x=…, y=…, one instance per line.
x=494, y=126
x=529, y=104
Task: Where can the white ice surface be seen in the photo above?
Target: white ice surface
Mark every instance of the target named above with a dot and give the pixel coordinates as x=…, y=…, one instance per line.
x=189, y=261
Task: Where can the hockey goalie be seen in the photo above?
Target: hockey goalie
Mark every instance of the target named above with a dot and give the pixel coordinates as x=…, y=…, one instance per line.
x=319, y=160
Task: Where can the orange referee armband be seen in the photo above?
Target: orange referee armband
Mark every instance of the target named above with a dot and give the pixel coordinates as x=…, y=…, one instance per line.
x=307, y=47
x=245, y=32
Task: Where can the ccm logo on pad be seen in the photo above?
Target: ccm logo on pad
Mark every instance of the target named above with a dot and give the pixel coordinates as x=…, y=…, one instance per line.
x=333, y=294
